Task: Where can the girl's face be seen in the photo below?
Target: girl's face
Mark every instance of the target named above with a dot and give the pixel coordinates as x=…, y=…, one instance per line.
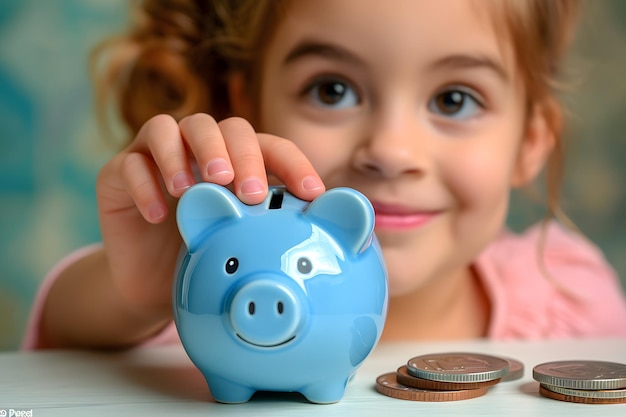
x=417, y=105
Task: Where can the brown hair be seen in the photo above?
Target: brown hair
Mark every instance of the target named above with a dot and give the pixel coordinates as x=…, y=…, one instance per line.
x=177, y=55
x=541, y=32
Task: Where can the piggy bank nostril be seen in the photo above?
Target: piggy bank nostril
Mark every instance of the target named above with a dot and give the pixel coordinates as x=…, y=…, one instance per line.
x=251, y=308
x=280, y=307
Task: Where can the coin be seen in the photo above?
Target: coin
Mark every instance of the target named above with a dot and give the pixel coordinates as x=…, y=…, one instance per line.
x=611, y=393
x=387, y=384
x=548, y=393
x=516, y=370
x=582, y=374
x=458, y=367
x=407, y=379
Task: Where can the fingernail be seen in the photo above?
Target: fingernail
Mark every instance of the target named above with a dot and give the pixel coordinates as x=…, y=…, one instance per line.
x=312, y=183
x=217, y=166
x=156, y=211
x=252, y=186
x=181, y=181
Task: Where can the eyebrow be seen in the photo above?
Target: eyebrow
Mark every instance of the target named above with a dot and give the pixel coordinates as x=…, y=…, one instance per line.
x=327, y=50
x=462, y=61
x=321, y=49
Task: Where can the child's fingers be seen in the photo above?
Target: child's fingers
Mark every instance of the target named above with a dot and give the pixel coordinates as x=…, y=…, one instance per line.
x=203, y=135
x=164, y=141
x=250, y=182
x=140, y=177
x=228, y=151
x=287, y=162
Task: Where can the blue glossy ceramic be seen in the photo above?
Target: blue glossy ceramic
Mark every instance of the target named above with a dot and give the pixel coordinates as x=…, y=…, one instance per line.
x=281, y=296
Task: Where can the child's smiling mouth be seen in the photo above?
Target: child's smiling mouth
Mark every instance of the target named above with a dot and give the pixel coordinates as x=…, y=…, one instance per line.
x=399, y=217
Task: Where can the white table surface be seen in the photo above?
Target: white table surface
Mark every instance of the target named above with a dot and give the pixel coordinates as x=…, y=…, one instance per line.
x=163, y=382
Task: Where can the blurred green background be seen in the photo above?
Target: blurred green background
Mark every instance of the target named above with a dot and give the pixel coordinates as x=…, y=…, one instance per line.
x=51, y=149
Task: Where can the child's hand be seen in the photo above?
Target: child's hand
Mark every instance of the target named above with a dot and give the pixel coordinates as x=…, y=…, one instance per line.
x=138, y=189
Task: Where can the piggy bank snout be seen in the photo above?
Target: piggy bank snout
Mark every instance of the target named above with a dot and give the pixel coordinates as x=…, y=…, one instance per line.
x=266, y=313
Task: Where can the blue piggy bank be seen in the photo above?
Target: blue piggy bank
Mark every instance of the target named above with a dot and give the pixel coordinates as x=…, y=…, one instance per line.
x=281, y=296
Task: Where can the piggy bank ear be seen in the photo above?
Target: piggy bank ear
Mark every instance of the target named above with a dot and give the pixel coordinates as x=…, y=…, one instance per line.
x=201, y=207
x=347, y=214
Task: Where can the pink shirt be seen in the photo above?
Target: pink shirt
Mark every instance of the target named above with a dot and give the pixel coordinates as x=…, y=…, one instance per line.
x=566, y=290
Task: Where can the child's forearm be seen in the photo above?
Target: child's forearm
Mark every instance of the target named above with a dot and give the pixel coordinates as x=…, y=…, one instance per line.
x=84, y=309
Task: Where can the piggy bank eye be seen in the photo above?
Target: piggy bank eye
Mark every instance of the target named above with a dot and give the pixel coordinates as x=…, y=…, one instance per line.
x=304, y=265
x=231, y=266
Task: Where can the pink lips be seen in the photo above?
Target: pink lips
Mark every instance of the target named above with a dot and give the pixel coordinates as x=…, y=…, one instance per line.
x=400, y=217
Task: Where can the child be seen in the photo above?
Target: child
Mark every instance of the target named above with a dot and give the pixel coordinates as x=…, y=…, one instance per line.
x=434, y=110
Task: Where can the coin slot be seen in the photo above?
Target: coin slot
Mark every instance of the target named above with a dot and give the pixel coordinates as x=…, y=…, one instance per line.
x=276, y=200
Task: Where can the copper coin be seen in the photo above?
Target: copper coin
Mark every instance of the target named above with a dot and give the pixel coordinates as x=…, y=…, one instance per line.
x=407, y=379
x=387, y=384
x=516, y=370
x=458, y=367
x=584, y=375
x=543, y=390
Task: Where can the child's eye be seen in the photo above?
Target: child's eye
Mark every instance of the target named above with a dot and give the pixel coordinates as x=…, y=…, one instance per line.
x=333, y=93
x=456, y=104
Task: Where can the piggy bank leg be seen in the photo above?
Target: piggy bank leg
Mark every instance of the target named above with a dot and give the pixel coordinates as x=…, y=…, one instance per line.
x=326, y=392
x=225, y=391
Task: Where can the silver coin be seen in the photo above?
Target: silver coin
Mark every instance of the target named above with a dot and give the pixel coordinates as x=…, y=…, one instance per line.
x=458, y=367
x=582, y=374
x=516, y=370
x=582, y=393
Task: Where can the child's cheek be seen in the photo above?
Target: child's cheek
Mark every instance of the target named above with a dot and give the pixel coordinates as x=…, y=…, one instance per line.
x=479, y=184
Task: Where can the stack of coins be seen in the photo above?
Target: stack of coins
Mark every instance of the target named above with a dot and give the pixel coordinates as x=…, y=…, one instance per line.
x=587, y=382
x=448, y=376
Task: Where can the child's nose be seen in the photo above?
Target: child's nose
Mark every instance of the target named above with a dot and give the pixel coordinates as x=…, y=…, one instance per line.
x=393, y=148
